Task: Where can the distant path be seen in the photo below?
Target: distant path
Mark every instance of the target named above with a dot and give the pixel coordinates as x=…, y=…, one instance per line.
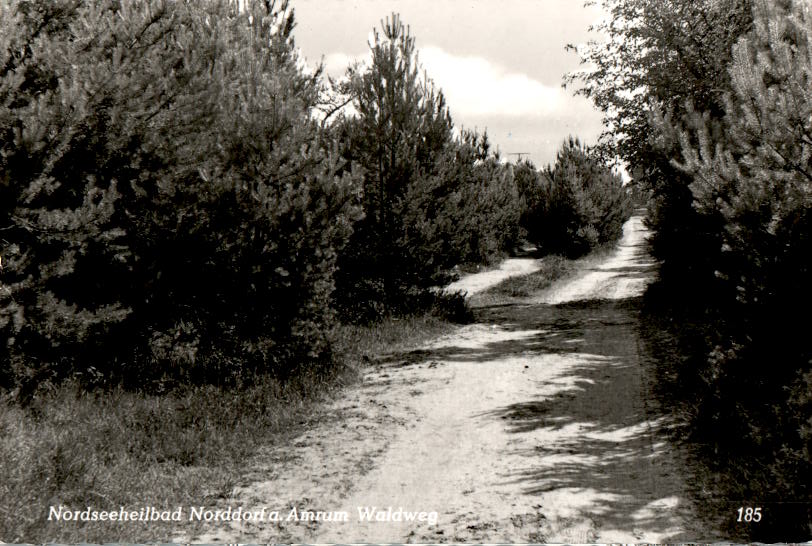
x=534, y=425
x=511, y=267
x=624, y=275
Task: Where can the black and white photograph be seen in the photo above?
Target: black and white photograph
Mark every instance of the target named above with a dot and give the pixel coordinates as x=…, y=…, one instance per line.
x=405, y=271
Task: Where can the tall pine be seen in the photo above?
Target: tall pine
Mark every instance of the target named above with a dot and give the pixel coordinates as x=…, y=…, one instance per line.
x=401, y=129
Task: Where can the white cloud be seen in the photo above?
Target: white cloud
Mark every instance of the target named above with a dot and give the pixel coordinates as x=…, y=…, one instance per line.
x=336, y=64
x=476, y=86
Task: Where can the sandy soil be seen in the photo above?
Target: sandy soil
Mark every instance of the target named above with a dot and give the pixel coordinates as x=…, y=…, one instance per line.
x=477, y=282
x=535, y=424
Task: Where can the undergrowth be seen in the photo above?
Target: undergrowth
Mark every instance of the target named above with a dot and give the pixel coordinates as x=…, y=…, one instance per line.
x=185, y=448
x=728, y=469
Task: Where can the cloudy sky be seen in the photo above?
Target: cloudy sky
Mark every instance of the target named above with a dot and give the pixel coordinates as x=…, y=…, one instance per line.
x=499, y=63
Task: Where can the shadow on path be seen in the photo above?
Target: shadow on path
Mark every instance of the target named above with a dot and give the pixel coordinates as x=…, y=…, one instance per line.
x=588, y=438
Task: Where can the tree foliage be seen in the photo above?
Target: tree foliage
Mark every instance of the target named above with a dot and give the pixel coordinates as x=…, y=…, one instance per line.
x=575, y=205
x=430, y=200
x=167, y=201
x=756, y=174
x=658, y=54
x=480, y=212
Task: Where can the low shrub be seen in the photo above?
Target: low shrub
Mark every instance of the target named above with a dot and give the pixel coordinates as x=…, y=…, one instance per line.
x=452, y=307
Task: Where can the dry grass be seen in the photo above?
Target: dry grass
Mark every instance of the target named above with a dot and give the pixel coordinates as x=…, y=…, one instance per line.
x=112, y=449
x=126, y=449
x=355, y=343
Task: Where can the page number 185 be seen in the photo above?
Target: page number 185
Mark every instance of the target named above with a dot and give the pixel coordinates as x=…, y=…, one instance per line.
x=749, y=514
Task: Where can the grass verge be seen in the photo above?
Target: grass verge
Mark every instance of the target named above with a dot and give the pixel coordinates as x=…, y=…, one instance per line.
x=115, y=449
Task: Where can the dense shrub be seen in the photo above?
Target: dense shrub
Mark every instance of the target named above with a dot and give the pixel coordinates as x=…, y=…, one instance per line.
x=168, y=205
x=575, y=205
x=533, y=186
x=481, y=212
x=756, y=180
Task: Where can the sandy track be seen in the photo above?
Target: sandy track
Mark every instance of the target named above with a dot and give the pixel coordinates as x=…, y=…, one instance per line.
x=477, y=282
x=533, y=425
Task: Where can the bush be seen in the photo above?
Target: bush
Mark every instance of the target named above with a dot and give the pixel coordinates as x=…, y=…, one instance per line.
x=577, y=205
x=750, y=175
x=480, y=214
x=169, y=207
x=453, y=307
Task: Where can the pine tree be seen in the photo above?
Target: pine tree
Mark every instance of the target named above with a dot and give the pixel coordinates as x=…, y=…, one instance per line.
x=483, y=206
x=170, y=205
x=583, y=205
x=402, y=127
x=78, y=102
x=753, y=169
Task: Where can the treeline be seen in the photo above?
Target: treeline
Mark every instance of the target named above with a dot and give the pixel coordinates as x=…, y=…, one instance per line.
x=575, y=205
x=183, y=200
x=709, y=104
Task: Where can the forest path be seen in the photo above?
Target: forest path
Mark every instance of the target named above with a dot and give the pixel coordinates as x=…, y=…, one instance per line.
x=536, y=424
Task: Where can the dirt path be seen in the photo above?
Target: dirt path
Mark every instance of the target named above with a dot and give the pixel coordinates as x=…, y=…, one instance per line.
x=477, y=282
x=533, y=425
